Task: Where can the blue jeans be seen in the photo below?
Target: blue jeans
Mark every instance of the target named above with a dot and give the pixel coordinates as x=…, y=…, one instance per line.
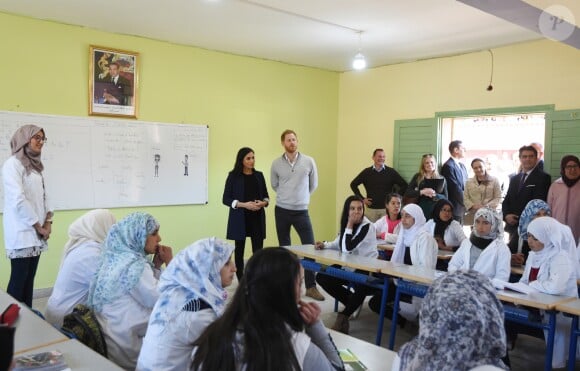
x=21, y=284
x=300, y=219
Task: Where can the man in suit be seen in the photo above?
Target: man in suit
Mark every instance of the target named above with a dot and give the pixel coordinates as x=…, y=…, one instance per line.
x=455, y=175
x=531, y=183
x=120, y=89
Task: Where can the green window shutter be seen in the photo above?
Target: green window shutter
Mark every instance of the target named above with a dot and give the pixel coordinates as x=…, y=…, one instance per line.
x=414, y=138
x=562, y=138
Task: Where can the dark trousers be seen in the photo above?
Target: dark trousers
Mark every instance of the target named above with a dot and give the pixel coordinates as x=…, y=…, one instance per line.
x=338, y=289
x=21, y=284
x=257, y=244
x=300, y=219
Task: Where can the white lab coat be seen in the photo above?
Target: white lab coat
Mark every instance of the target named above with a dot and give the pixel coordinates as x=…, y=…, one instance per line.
x=124, y=321
x=382, y=227
x=169, y=347
x=367, y=247
x=494, y=261
x=73, y=281
x=25, y=204
x=423, y=251
x=453, y=235
x=556, y=277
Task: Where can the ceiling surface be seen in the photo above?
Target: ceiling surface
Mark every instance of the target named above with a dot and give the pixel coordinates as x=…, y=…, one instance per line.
x=315, y=33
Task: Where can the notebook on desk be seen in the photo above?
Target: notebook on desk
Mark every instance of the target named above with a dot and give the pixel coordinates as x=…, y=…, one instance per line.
x=435, y=184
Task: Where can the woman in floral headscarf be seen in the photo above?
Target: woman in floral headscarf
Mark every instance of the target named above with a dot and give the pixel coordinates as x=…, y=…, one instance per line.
x=484, y=251
x=124, y=289
x=27, y=214
x=192, y=296
x=460, y=327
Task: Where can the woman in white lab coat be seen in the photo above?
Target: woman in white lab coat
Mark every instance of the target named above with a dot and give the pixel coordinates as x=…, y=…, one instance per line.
x=484, y=251
x=27, y=214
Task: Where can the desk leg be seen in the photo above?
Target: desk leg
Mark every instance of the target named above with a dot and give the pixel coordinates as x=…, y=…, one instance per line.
x=550, y=343
x=573, y=343
x=382, y=311
x=394, y=319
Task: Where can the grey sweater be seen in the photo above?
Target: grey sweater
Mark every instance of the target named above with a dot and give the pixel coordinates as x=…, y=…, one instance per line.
x=294, y=184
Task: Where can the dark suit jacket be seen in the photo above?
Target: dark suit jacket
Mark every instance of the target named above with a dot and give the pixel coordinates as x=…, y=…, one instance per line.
x=535, y=186
x=456, y=179
x=122, y=90
x=234, y=190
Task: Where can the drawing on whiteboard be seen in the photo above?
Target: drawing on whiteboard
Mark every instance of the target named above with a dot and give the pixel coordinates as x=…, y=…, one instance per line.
x=185, y=163
x=157, y=159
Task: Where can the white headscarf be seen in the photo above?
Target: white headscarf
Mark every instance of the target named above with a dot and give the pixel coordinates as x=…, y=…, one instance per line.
x=407, y=236
x=556, y=237
x=92, y=226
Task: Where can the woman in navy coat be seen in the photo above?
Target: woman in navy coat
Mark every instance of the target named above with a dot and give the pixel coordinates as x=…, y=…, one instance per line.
x=246, y=195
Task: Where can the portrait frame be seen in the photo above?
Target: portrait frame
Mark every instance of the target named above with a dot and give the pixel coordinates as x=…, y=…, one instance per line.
x=113, y=82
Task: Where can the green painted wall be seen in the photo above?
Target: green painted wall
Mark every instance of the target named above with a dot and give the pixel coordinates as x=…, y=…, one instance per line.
x=245, y=101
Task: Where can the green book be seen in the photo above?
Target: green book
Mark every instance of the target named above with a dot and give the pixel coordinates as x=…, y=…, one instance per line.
x=351, y=361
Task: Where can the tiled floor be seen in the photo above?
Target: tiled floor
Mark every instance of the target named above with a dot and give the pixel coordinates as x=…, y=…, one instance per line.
x=528, y=354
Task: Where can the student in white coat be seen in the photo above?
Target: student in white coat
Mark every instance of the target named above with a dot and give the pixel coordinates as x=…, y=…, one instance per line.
x=415, y=246
x=27, y=213
x=358, y=237
x=124, y=289
x=80, y=260
x=550, y=269
x=192, y=296
x=447, y=232
x=484, y=251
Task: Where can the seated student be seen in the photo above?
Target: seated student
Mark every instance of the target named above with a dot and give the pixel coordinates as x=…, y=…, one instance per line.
x=447, y=232
x=414, y=247
x=357, y=237
x=387, y=227
x=124, y=289
x=263, y=326
x=460, y=327
x=192, y=296
x=484, y=251
x=550, y=269
x=535, y=208
x=79, y=263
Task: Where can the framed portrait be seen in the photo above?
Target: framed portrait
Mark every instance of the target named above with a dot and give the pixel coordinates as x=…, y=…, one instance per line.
x=113, y=82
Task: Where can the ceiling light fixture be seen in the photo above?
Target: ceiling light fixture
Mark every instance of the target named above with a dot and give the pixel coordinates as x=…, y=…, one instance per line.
x=359, y=62
x=490, y=86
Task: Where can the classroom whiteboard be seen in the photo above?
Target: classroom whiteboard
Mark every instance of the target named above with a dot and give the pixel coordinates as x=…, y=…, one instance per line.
x=107, y=163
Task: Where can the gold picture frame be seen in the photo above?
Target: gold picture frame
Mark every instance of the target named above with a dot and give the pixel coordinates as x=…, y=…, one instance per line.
x=113, y=82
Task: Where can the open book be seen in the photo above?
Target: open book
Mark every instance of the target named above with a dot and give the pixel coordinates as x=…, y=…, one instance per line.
x=351, y=361
x=517, y=286
x=52, y=361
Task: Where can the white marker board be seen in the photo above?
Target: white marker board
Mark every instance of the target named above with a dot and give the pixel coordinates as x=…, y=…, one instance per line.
x=106, y=163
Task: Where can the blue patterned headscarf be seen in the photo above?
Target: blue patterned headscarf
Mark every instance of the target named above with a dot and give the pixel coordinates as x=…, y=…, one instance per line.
x=194, y=273
x=529, y=213
x=460, y=326
x=123, y=259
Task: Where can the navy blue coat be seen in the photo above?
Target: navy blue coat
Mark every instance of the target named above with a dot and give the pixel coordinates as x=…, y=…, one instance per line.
x=456, y=178
x=234, y=190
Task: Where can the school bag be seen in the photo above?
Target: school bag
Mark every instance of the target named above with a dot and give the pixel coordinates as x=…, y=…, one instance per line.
x=83, y=324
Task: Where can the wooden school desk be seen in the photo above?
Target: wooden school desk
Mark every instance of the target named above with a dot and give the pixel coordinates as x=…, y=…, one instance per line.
x=572, y=308
x=31, y=331
x=441, y=254
x=372, y=356
x=77, y=356
x=322, y=260
x=415, y=280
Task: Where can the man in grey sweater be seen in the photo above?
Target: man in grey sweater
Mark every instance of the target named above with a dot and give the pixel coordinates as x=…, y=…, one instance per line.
x=294, y=177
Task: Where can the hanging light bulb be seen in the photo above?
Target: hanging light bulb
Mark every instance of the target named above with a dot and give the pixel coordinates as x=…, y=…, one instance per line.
x=359, y=62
